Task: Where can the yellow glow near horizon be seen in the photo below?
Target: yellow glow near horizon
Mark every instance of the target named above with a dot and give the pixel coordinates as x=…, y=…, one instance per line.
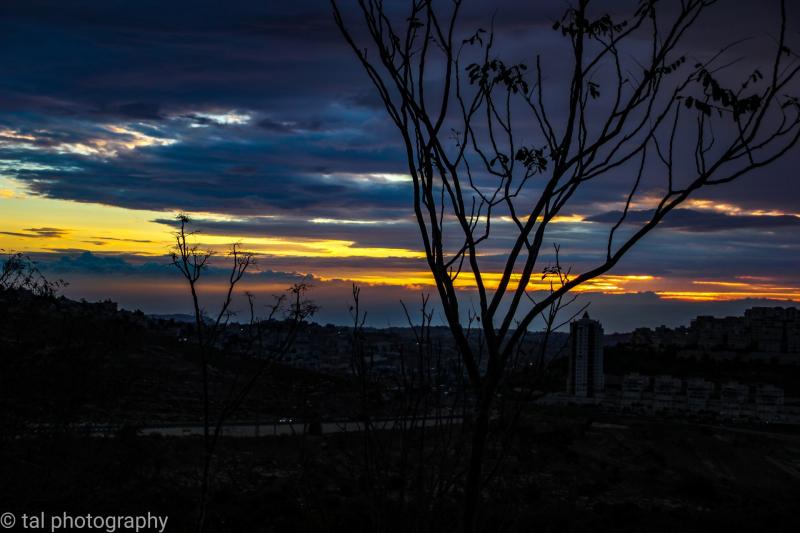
x=722, y=283
x=754, y=287
x=609, y=283
x=349, y=222
x=307, y=247
x=734, y=210
x=85, y=226
x=35, y=224
x=700, y=296
x=101, y=228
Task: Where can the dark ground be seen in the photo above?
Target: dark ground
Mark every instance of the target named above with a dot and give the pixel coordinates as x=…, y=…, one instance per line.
x=563, y=474
x=66, y=363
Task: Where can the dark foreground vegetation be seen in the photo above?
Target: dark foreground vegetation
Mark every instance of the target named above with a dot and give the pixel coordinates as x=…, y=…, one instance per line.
x=67, y=364
x=562, y=473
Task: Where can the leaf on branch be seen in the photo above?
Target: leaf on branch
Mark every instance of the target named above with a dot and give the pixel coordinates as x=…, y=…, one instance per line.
x=532, y=158
x=475, y=38
x=755, y=77
x=703, y=107
x=725, y=99
x=495, y=72
x=554, y=270
x=668, y=69
x=574, y=22
x=792, y=101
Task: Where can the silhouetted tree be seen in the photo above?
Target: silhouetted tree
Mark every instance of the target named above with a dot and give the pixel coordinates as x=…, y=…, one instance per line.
x=191, y=261
x=483, y=138
x=410, y=429
x=18, y=271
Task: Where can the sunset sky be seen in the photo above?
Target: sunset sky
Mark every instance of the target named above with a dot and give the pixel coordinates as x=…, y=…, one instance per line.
x=254, y=118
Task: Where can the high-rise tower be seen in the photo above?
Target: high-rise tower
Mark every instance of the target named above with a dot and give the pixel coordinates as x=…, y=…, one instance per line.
x=585, y=377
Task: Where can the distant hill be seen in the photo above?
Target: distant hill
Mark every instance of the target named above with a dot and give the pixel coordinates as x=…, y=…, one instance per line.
x=176, y=317
x=77, y=362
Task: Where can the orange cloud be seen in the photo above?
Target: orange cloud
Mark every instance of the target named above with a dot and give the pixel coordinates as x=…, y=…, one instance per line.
x=735, y=290
x=618, y=284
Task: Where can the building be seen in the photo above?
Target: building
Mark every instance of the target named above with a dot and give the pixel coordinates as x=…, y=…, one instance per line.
x=698, y=391
x=774, y=329
x=769, y=401
x=733, y=398
x=763, y=332
x=633, y=388
x=665, y=393
x=585, y=376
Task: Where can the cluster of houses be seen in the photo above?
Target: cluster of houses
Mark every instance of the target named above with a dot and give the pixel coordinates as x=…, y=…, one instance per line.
x=663, y=394
x=671, y=395
x=762, y=333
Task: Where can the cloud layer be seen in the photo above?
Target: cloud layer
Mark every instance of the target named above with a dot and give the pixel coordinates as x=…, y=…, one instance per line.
x=258, y=120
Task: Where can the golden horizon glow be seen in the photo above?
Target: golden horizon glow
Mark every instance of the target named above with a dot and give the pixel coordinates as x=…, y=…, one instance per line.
x=647, y=202
x=422, y=282
x=308, y=247
x=36, y=224
x=85, y=226
x=607, y=284
x=418, y=278
x=699, y=296
x=351, y=222
x=558, y=219
x=734, y=210
x=757, y=287
x=101, y=228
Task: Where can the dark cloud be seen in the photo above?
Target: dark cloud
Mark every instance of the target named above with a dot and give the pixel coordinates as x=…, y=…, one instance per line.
x=147, y=59
x=123, y=240
x=38, y=233
x=18, y=234
x=702, y=221
x=401, y=233
x=89, y=263
x=83, y=263
x=48, y=232
x=68, y=68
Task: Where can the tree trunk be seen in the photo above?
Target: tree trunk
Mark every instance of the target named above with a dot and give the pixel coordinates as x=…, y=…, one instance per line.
x=472, y=490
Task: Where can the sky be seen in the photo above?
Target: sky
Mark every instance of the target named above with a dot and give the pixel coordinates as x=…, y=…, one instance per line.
x=256, y=119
